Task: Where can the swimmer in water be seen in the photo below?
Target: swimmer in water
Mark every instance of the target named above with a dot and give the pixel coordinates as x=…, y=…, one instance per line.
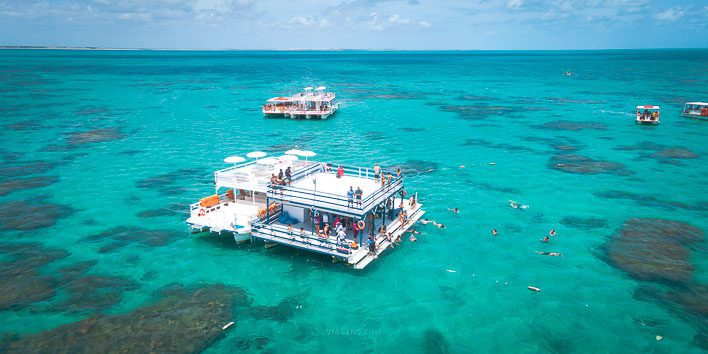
x=441, y=226
x=426, y=221
x=454, y=210
x=545, y=239
x=552, y=232
x=413, y=239
x=494, y=232
x=552, y=254
x=517, y=205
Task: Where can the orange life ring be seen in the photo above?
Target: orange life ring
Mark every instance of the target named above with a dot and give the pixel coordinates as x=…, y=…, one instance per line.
x=361, y=224
x=202, y=212
x=403, y=193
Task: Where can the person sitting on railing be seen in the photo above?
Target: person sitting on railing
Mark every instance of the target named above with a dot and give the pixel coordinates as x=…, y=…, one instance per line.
x=288, y=176
x=340, y=171
x=358, y=194
x=325, y=230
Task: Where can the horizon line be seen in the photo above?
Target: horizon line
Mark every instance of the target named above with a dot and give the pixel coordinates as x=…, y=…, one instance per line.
x=88, y=48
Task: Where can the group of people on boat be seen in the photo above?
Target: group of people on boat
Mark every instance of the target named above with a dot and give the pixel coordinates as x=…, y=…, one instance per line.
x=649, y=115
x=276, y=108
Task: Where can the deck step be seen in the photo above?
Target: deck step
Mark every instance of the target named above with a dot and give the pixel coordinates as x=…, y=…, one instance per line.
x=383, y=245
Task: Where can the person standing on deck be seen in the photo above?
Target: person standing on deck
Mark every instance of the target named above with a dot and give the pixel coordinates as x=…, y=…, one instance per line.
x=350, y=197
x=377, y=170
x=281, y=174
x=355, y=229
x=359, y=193
x=325, y=218
x=340, y=171
x=383, y=180
x=398, y=172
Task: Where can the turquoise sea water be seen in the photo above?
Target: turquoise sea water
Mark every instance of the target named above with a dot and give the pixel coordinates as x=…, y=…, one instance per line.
x=130, y=138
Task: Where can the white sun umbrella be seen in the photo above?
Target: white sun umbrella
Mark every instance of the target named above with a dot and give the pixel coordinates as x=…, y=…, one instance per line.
x=256, y=154
x=234, y=159
x=293, y=152
x=288, y=158
x=307, y=153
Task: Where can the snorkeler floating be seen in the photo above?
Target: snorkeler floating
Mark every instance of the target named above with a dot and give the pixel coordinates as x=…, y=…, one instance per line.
x=454, y=210
x=517, y=205
x=435, y=223
x=552, y=254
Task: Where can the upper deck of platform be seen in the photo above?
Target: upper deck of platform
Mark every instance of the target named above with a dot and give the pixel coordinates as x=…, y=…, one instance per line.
x=255, y=175
x=320, y=189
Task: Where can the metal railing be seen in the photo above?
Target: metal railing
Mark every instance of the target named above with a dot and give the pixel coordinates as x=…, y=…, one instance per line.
x=279, y=232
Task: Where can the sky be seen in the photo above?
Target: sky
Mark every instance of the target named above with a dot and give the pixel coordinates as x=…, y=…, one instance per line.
x=356, y=24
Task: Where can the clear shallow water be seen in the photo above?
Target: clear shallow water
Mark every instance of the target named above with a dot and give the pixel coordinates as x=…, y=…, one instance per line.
x=169, y=118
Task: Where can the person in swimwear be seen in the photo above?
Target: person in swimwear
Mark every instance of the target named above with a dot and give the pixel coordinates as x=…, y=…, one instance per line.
x=552, y=232
x=552, y=254
x=494, y=232
x=426, y=221
x=545, y=239
x=454, y=210
x=413, y=239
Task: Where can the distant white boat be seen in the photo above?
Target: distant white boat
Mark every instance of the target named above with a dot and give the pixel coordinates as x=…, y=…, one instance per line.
x=695, y=110
x=309, y=104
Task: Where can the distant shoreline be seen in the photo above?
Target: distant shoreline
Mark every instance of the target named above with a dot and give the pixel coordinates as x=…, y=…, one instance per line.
x=322, y=49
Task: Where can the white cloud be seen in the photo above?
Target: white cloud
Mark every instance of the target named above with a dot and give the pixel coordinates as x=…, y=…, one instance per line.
x=671, y=14
x=424, y=24
x=514, y=4
x=397, y=20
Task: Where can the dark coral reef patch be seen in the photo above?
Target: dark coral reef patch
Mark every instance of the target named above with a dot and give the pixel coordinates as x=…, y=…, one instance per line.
x=183, y=321
x=25, y=215
x=654, y=249
x=578, y=164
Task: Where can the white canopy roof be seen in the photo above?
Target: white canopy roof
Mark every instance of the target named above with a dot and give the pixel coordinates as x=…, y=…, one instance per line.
x=321, y=88
x=698, y=103
x=267, y=161
x=648, y=107
x=234, y=159
x=308, y=88
x=280, y=99
x=256, y=154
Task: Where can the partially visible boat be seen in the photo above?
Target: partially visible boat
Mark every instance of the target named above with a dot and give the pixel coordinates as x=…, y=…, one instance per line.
x=648, y=114
x=695, y=110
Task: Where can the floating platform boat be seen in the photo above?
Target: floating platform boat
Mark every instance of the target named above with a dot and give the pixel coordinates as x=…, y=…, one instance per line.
x=309, y=104
x=292, y=210
x=697, y=110
x=648, y=114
